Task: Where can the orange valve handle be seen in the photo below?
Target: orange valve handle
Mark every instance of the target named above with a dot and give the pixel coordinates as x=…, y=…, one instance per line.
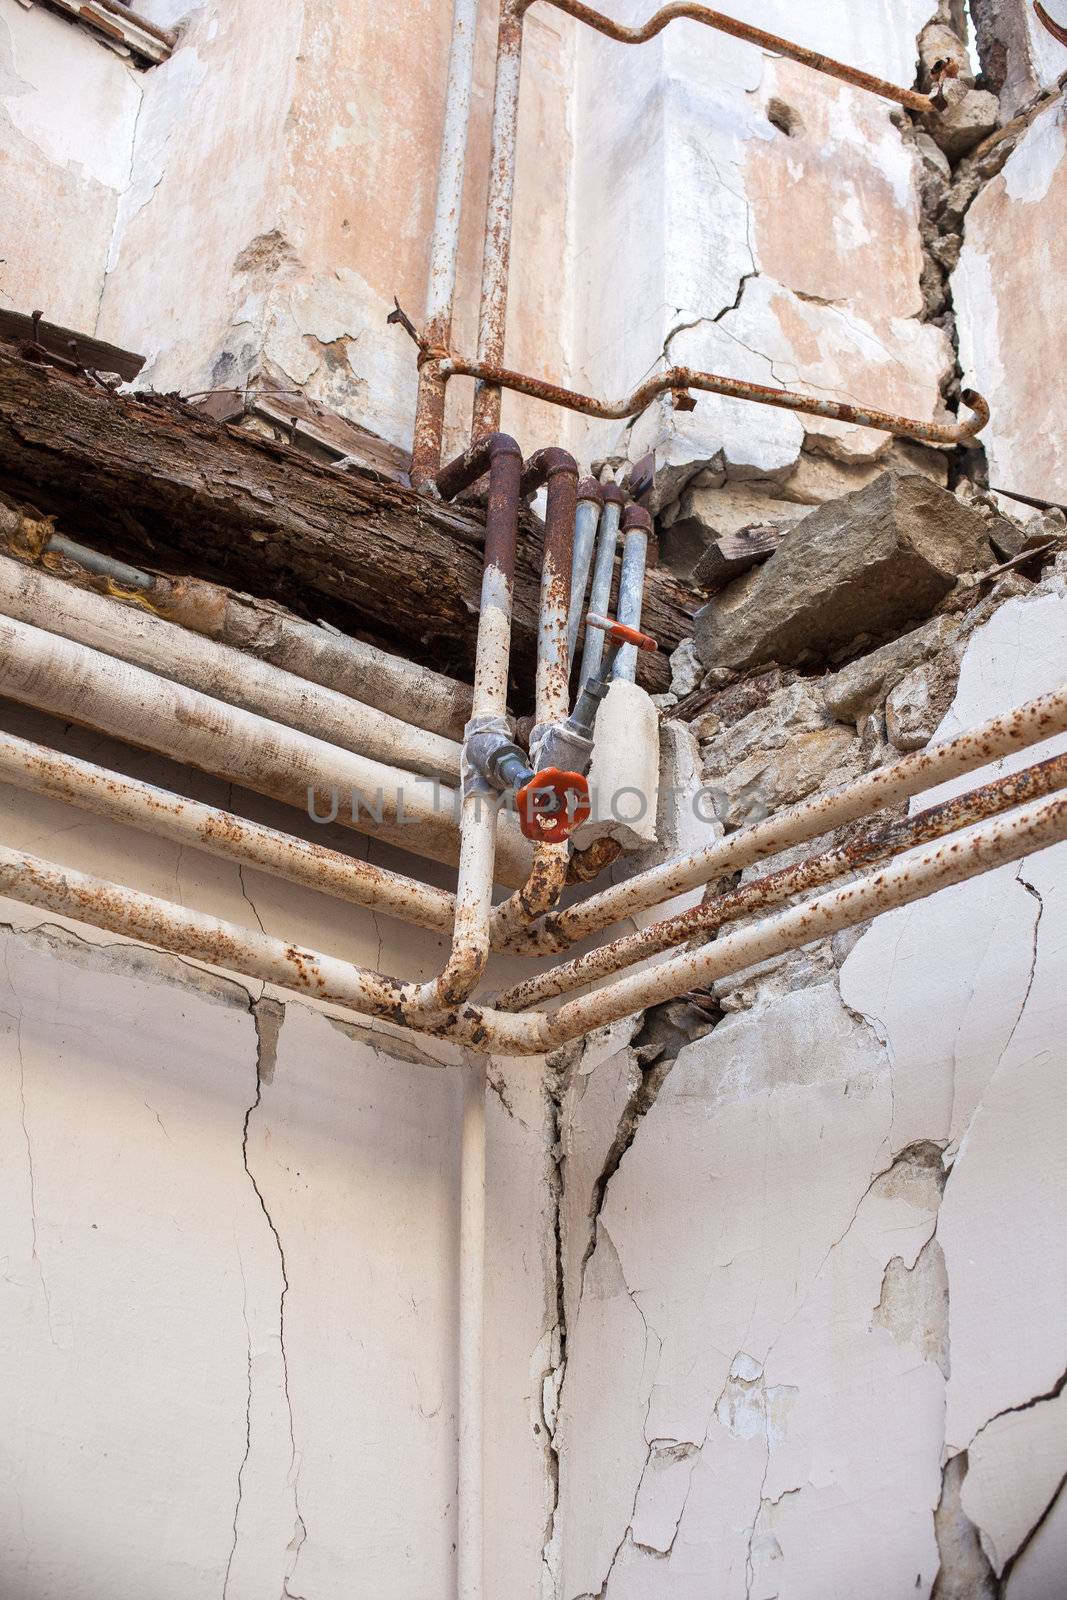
x=552, y=804
x=620, y=633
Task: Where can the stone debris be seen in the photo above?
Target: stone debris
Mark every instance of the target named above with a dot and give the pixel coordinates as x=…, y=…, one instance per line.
x=862, y=684
x=860, y=567
x=968, y=117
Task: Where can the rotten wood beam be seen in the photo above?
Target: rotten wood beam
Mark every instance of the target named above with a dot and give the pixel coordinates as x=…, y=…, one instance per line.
x=158, y=483
x=731, y=554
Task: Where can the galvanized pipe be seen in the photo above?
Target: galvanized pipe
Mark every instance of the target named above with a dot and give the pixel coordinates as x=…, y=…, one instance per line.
x=1030, y=724
x=991, y=844
x=137, y=636
x=636, y=532
x=679, y=380
x=603, y=572
x=444, y=243
x=586, y=520
x=878, y=845
x=70, y=680
x=35, y=768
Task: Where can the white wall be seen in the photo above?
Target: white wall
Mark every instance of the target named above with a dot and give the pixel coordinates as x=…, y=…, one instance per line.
x=228, y=1302
x=832, y=1257
x=68, y=109
x=711, y=236
x=1008, y=294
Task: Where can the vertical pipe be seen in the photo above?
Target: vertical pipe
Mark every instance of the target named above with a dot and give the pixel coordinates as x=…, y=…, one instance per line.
x=636, y=528
x=603, y=568
x=548, y=875
x=444, y=245
x=478, y=816
x=586, y=520
x=492, y=316
x=560, y=471
x=470, y=1399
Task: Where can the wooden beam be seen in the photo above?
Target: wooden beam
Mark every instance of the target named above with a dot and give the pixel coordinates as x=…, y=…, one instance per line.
x=156, y=482
x=734, y=553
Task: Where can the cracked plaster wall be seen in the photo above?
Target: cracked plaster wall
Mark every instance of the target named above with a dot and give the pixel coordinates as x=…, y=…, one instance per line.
x=745, y=215
x=228, y=1227
x=65, y=160
x=281, y=190
x=814, y=1283
x=1007, y=290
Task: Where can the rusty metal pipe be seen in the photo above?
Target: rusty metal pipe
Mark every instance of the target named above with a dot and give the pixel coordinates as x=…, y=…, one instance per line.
x=69, y=680
x=107, y=905
x=679, y=380
x=500, y=201
x=134, y=634
x=557, y=470
x=679, y=12
x=1029, y=724
x=35, y=768
x=501, y=457
x=870, y=849
x=492, y=320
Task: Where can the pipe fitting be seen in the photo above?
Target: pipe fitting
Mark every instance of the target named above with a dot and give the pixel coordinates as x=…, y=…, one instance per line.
x=474, y=463
x=613, y=494
x=590, y=489
x=544, y=465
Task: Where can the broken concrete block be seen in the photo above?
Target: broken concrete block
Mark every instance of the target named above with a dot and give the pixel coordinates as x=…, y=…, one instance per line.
x=965, y=119
x=863, y=684
x=865, y=565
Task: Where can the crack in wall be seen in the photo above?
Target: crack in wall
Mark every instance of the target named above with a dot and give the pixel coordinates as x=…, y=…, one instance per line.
x=268, y=1016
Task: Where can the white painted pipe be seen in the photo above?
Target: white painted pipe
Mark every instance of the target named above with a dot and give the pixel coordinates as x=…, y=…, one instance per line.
x=471, y=1403
x=885, y=786
x=137, y=636
x=69, y=680
x=444, y=244
x=107, y=794
x=913, y=877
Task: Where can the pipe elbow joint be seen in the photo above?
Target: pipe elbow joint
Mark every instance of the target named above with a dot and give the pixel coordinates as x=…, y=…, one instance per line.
x=545, y=465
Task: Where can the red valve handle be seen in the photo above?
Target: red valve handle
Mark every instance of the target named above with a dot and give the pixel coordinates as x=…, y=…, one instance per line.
x=556, y=826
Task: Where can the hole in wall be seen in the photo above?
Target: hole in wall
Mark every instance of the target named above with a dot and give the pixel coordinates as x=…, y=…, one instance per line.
x=783, y=117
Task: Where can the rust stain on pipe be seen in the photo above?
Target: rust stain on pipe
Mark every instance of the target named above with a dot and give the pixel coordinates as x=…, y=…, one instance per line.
x=685, y=11
x=682, y=379
x=774, y=888
x=1056, y=29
